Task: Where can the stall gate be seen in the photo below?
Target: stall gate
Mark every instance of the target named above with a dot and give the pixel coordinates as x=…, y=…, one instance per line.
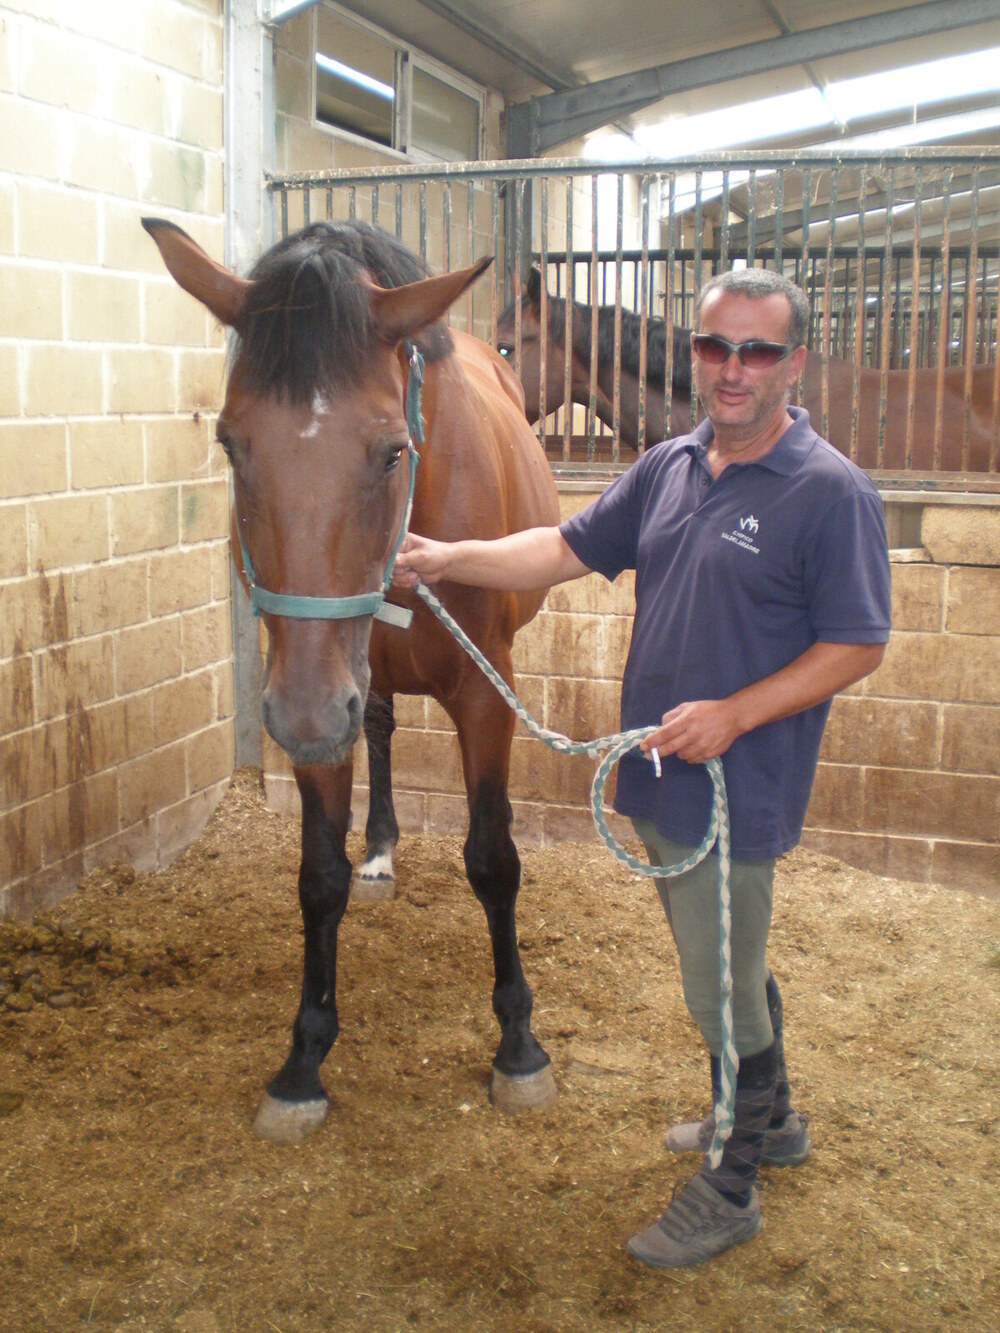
x=899, y=256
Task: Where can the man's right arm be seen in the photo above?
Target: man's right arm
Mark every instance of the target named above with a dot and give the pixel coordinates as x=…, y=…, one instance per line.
x=523, y=562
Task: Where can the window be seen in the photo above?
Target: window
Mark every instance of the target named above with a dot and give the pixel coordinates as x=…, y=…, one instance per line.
x=369, y=85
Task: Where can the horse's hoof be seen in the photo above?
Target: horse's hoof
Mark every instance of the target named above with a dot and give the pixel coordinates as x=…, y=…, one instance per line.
x=374, y=880
x=513, y=1093
x=288, y=1122
x=372, y=888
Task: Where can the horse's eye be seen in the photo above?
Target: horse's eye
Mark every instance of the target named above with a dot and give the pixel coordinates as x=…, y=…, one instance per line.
x=227, y=445
x=392, y=458
x=504, y=350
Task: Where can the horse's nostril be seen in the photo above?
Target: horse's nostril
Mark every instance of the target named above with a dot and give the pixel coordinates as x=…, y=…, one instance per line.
x=355, y=712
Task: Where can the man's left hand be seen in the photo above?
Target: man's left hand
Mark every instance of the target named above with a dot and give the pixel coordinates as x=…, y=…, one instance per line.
x=695, y=732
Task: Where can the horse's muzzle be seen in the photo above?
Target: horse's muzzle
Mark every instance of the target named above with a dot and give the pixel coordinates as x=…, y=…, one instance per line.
x=314, y=732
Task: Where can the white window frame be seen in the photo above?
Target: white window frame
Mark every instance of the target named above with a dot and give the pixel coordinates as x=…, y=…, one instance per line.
x=407, y=58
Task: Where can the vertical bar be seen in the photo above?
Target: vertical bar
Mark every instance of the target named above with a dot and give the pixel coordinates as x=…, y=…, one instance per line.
x=518, y=279
x=970, y=315
x=470, y=248
x=861, y=284
x=751, y=218
x=696, y=277
x=423, y=221
x=399, y=210
x=592, y=405
x=543, y=337
x=306, y=206
x=284, y=211
x=779, y=218
x=804, y=261
x=570, y=295
x=329, y=202
x=375, y=205
x=668, y=309
x=931, y=324
x=446, y=236
x=495, y=244
x=886, y=348
x=724, y=239
x=828, y=307
x=944, y=319
x=616, y=388
x=911, y=379
x=352, y=202
x=640, y=429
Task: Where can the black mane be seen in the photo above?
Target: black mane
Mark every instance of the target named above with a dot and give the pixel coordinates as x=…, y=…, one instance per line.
x=656, y=336
x=307, y=323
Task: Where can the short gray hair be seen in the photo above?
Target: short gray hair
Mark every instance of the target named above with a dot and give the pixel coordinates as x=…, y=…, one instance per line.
x=757, y=283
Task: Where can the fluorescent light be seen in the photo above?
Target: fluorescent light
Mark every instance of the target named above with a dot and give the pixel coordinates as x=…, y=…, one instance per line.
x=846, y=100
x=354, y=76
x=730, y=127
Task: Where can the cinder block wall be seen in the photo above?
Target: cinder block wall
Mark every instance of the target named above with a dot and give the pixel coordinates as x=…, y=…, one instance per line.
x=909, y=779
x=116, y=733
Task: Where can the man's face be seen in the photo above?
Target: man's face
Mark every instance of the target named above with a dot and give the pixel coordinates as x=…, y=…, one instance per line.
x=732, y=395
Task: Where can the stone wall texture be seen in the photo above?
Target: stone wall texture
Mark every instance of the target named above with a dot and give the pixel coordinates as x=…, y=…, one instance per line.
x=908, y=783
x=116, y=732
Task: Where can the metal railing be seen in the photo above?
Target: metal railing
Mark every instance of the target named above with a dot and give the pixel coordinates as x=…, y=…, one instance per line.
x=899, y=256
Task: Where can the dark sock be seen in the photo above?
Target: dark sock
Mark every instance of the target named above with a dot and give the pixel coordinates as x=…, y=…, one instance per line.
x=782, y=1088
x=736, y=1173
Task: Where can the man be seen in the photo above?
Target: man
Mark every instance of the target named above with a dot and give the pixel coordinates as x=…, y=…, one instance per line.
x=762, y=589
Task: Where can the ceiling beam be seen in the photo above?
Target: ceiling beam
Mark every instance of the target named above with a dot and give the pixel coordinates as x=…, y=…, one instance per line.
x=542, y=123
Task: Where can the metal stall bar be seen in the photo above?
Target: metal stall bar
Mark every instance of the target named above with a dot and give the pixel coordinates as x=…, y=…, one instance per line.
x=886, y=337
x=543, y=309
x=911, y=379
x=970, y=319
x=827, y=309
x=668, y=305
x=859, y=312
x=944, y=320
x=640, y=428
x=570, y=295
x=616, y=388
x=592, y=406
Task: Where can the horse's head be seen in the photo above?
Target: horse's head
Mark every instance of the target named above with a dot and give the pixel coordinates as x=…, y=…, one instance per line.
x=315, y=428
x=530, y=374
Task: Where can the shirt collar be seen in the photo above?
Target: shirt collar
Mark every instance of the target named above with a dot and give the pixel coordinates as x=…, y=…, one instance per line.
x=785, y=457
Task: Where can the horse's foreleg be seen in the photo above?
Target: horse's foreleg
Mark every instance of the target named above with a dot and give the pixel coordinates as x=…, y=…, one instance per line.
x=374, y=879
x=295, y=1102
x=522, y=1073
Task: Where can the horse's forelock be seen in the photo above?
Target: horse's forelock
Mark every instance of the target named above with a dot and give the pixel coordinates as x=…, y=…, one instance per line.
x=307, y=324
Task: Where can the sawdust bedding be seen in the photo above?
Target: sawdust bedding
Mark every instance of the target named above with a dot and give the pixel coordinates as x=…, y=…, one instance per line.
x=141, y=1017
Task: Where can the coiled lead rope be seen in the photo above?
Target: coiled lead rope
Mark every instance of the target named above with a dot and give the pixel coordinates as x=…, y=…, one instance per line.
x=615, y=746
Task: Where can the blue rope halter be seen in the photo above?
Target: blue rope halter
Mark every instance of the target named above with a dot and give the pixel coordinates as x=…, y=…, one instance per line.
x=298, y=607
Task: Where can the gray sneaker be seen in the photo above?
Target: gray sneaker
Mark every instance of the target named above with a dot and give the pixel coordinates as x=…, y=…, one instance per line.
x=698, y=1224
x=786, y=1144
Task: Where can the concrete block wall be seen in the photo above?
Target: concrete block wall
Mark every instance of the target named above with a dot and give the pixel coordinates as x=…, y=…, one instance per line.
x=908, y=783
x=116, y=732
x=909, y=779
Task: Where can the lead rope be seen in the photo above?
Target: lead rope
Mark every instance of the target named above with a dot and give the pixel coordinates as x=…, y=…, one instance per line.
x=616, y=745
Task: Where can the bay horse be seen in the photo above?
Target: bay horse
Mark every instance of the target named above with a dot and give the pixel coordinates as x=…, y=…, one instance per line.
x=831, y=409
x=332, y=326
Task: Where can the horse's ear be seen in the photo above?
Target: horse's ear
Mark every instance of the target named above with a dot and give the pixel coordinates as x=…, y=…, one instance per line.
x=533, y=288
x=224, y=293
x=400, y=312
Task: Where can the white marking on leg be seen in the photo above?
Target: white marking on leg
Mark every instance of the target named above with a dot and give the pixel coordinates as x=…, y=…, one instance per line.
x=379, y=867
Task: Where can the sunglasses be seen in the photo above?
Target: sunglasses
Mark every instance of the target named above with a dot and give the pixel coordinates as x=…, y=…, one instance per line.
x=755, y=354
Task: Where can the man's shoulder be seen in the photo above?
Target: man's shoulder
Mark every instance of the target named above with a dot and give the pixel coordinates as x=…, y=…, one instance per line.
x=823, y=462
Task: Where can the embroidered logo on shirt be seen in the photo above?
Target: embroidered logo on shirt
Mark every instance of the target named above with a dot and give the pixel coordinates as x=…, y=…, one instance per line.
x=741, y=536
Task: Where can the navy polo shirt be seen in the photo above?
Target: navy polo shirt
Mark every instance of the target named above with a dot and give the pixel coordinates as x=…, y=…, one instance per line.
x=735, y=578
